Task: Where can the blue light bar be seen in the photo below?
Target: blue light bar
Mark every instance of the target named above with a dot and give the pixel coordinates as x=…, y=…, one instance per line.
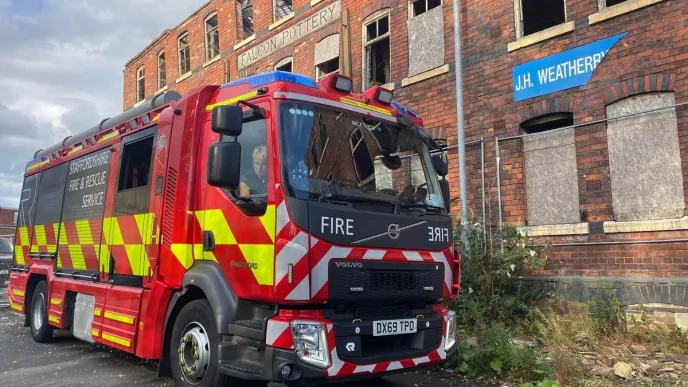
x=273, y=76
x=404, y=109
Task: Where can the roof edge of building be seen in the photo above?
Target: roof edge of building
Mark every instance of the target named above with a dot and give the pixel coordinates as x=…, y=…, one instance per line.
x=165, y=33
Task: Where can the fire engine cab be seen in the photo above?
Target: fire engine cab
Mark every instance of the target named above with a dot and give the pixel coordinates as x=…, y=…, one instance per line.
x=273, y=228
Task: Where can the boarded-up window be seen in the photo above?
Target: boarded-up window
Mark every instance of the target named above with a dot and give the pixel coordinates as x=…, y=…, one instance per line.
x=426, y=40
x=326, y=56
x=551, y=174
x=644, y=159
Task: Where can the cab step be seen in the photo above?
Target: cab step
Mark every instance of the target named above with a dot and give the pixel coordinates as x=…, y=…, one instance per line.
x=250, y=329
x=243, y=367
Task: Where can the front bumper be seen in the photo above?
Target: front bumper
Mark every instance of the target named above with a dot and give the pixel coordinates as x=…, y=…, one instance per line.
x=267, y=363
x=304, y=374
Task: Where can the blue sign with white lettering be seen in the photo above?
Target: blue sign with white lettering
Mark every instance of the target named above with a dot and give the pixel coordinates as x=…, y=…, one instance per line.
x=560, y=71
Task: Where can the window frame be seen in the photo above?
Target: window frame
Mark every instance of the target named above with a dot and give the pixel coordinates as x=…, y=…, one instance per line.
x=602, y=4
x=183, y=35
x=283, y=62
x=375, y=18
x=275, y=17
x=412, y=11
x=519, y=23
x=140, y=83
x=162, y=75
x=319, y=74
x=208, y=32
x=244, y=5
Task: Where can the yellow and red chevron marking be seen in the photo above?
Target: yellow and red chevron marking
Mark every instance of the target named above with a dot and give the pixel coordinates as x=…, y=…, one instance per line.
x=79, y=244
x=127, y=238
x=239, y=239
x=22, y=245
x=44, y=238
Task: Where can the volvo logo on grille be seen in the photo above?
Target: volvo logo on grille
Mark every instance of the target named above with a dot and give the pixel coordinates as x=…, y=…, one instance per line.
x=349, y=265
x=393, y=231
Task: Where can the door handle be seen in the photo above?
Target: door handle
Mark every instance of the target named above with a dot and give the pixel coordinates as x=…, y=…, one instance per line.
x=208, y=241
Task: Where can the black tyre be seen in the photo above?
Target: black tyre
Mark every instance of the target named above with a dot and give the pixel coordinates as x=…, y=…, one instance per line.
x=41, y=330
x=193, y=348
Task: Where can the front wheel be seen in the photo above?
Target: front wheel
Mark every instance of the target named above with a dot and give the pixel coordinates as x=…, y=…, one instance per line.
x=194, y=348
x=41, y=330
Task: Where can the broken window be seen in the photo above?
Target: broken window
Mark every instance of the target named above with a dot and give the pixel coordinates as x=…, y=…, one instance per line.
x=547, y=123
x=611, y=3
x=551, y=172
x=212, y=37
x=140, y=84
x=376, y=66
x=184, y=57
x=537, y=15
x=284, y=65
x=331, y=66
x=245, y=17
x=422, y=6
x=282, y=8
x=162, y=72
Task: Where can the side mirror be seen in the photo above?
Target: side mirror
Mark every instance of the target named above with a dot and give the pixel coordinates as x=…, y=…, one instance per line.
x=227, y=120
x=439, y=162
x=444, y=186
x=224, y=162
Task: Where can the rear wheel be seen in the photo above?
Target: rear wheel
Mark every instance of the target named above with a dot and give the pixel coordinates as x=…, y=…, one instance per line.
x=193, y=348
x=41, y=331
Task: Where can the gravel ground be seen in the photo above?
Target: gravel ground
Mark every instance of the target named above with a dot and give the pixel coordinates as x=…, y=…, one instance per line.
x=70, y=362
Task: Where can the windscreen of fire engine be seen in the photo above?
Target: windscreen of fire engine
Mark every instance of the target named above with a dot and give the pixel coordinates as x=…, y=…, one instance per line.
x=345, y=156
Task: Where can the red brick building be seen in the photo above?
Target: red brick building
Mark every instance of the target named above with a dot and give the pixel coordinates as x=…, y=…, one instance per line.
x=586, y=100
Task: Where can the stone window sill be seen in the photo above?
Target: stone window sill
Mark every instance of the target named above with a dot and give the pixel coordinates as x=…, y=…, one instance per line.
x=388, y=86
x=140, y=102
x=646, y=225
x=183, y=77
x=281, y=21
x=208, y=63
x=315, y=2
x=541, y=36
x=620, y=9
x=245, y=42
x=558, y=229
x=161, y=90
x=425, y=75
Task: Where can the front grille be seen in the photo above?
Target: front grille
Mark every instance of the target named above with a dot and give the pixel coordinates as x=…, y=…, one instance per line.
x=384, y=346
x=389, y=282
x=392, y=281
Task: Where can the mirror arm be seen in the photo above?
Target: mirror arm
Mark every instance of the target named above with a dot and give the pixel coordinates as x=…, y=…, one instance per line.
x=256, y=111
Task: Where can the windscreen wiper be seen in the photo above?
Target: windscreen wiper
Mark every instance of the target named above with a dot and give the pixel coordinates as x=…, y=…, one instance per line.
x=336, y=196
x=426, y=207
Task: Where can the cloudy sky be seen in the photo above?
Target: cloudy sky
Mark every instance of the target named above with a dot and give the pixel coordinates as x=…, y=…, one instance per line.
x=61, y=67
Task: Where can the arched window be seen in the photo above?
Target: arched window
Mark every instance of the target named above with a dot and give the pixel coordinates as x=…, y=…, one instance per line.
x=285, y=64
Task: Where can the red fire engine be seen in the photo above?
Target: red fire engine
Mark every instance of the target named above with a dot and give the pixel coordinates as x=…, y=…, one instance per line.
x=272, y=228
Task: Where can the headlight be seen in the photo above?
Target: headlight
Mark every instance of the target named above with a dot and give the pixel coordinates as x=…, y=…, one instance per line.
x=310, y=343
x=451, y=331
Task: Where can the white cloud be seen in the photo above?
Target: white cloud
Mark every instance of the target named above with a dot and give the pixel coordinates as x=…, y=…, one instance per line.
x=62, y=69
